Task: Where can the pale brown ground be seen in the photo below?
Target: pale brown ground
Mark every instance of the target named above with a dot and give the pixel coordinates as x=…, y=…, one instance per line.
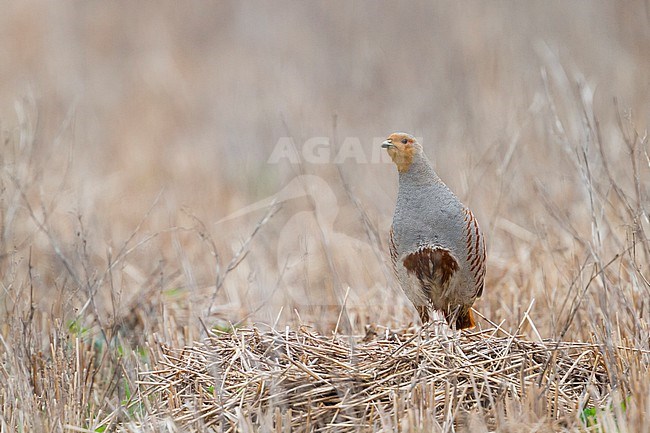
x=128, y=131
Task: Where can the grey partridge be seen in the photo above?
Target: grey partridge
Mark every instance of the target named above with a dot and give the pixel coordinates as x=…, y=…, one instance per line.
x=436, y=245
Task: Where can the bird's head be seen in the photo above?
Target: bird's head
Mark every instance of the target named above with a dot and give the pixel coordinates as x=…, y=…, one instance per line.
x=402, y=148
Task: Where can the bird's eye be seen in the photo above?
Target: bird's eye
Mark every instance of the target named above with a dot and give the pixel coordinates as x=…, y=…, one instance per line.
x=404, y=141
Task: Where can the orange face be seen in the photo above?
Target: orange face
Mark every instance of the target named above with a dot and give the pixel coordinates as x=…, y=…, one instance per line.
x=402, y=148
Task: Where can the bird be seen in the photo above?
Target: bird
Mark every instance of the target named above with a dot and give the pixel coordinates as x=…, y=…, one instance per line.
x=436, y=245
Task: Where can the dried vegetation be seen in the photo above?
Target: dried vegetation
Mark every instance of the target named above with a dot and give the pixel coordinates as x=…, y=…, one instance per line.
x=160, y=272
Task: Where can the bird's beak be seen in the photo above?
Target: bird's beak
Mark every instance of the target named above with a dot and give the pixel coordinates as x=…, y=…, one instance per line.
x=386, y=144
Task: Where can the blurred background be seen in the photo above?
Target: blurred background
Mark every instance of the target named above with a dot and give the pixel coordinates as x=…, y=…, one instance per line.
x=131, y=129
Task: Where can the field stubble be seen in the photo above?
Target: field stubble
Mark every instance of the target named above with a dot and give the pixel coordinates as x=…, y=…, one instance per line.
x=128, y=305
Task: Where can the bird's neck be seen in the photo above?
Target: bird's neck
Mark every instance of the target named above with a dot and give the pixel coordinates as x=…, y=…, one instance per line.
x=419, y=171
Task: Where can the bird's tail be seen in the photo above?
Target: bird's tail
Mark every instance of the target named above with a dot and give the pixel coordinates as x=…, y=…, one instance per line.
x=465, y=319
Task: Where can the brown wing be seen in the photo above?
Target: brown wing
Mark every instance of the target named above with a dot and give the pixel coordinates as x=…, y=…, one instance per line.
x=393, y=251
x=476, y=255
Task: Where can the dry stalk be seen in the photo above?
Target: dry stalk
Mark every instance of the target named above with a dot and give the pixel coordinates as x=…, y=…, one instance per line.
x=319, y=383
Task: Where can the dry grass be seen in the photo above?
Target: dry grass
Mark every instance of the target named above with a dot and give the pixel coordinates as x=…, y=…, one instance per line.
x=129, y=134
x=397, y=380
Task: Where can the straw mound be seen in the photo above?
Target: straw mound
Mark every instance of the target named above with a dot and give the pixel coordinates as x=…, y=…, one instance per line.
x=317, y=383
